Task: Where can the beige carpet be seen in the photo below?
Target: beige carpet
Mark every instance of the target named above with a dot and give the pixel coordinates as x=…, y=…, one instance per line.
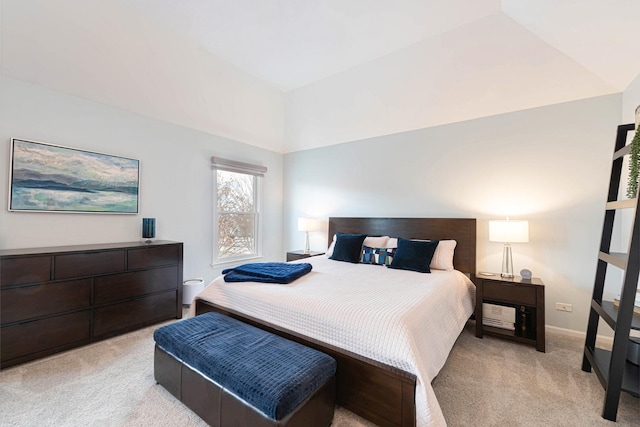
x=494, y=382
x=485, y=383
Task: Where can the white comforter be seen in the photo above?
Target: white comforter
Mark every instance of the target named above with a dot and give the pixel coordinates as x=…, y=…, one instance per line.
x=405, y=319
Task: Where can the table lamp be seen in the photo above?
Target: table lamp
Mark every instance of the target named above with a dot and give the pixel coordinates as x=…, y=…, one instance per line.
x=507, y=232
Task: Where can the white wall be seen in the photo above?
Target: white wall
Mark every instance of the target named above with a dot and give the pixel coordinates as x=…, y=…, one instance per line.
x=105, y=51
x=176, y=179
x=631, y=100
x=549, y=165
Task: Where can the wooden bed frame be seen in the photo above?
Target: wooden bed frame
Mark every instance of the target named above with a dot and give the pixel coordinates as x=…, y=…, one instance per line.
x=378, y=392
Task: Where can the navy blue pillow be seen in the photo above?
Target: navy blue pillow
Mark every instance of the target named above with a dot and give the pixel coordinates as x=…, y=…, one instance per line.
x=348, y=247
x=414, y=255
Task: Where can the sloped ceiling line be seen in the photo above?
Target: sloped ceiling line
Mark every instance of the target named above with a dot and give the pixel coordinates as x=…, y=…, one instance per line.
x=254, y=71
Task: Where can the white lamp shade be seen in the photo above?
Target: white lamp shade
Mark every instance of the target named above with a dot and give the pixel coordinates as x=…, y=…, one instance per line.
x=307, y=224
x=509, y=231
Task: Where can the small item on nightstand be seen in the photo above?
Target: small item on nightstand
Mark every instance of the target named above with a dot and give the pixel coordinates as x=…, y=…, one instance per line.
x=523, y=320
x=526, y=274
x=526, y=323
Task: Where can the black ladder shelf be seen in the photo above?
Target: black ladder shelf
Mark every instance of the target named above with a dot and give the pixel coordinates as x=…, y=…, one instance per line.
x=615, y=373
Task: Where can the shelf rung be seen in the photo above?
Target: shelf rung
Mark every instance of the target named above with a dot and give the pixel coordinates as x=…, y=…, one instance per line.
x=606, y=316
x=631, y=375
x=612, y=311
x=622, y=152
x=588, y=352
x=615, y=258
x=621, y=204
x=608, y=311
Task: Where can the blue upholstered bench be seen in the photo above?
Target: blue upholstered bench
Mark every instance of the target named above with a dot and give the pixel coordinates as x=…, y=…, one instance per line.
x=233, y=374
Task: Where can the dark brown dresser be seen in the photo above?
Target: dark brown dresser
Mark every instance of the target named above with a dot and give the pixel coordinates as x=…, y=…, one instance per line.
x=56, y=298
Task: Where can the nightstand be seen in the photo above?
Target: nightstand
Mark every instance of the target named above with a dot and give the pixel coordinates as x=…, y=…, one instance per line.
x=294, y=255
x=526, y=296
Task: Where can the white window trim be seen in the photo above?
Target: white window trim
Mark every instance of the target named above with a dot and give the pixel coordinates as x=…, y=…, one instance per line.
x=257, y=172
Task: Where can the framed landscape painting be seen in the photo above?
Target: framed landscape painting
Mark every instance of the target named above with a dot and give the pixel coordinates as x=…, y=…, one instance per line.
x=50, y=178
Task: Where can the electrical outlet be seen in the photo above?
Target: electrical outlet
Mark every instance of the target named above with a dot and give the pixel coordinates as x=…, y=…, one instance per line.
x=563, y=306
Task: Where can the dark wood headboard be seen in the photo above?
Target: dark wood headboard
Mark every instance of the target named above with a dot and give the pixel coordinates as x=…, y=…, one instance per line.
x=462, y=230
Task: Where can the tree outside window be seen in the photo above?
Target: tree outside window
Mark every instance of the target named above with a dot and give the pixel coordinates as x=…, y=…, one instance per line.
x=237, y=215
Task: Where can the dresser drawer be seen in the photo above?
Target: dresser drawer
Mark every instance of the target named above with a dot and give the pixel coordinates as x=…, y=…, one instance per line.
x=131, y=314
x=88, y=264
x=54, y=298
x=515, y=294
x=128, y=285
x=25, y=270
x=154, y=256
x=40, y=335
x=34, y=301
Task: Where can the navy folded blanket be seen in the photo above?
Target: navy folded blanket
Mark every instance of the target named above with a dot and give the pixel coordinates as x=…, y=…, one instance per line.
x=266, y=272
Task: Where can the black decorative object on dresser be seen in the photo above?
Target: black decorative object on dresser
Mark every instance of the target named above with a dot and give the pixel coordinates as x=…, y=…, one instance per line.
x=57, y=298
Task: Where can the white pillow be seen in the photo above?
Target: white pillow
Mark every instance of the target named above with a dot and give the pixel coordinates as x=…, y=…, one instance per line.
x=376, y=242
x=329, y=251
x=443, y=256
x=372, y=242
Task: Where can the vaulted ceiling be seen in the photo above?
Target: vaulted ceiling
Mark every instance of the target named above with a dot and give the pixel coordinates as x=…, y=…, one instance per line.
x=290, y=44
x=296, y=74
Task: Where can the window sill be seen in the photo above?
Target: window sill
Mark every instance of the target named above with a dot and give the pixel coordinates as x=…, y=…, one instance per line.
x=235, y=261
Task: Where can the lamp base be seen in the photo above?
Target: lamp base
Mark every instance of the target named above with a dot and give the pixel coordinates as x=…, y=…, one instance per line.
x=306, y=243
x=507, y=262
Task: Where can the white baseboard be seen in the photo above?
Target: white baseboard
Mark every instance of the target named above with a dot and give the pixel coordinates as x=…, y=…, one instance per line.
x=578, y=334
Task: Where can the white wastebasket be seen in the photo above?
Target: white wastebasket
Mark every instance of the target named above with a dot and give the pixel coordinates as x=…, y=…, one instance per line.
x=190, y=288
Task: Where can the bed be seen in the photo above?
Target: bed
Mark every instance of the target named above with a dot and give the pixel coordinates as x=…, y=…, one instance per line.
x=389, y=330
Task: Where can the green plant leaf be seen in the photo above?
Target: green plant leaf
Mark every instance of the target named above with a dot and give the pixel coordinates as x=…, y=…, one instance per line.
x=634, y=166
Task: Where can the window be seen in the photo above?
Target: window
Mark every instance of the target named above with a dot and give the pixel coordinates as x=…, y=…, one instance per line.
x=237, y=210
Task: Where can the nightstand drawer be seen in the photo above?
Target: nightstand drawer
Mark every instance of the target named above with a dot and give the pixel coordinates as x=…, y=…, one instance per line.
x=514, y=294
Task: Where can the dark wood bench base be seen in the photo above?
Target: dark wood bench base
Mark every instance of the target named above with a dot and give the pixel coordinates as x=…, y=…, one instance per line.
x=377, y=392
x=218, y=407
